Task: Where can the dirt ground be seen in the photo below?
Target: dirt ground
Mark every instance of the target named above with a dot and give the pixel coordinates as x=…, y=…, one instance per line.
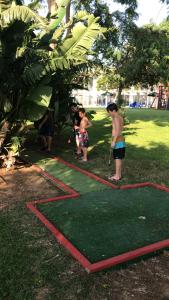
x=25, y=183
x=142, y=280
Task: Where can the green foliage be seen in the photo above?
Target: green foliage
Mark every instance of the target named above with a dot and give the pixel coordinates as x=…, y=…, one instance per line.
x=91, y=114
x=29, y=60
x=60, y=14
x=114, y=50
x=72, y=50
x=148, y=62
x=108, y=80
x=21, y=13
x=123, y=113
x=15, y=145
x=35, y=103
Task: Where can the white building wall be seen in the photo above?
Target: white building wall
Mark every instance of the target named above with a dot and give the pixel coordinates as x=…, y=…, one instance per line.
x=90, y=97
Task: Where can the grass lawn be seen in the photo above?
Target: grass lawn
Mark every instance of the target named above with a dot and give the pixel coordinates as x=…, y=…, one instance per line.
x=147, y=138
x=34, y=267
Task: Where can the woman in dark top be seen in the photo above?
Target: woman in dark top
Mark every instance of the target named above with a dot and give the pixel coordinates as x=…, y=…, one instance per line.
x=46, y=129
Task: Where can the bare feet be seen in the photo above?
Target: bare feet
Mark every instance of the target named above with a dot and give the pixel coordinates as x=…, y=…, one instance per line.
x=114, y=178
x=83, y=160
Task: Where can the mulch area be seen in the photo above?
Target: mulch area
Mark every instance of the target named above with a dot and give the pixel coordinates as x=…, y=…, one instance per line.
x=25, y=184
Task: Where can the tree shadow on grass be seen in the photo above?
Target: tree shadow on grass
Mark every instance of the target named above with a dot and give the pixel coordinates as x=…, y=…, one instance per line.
x=130, y=131
x=140, y=164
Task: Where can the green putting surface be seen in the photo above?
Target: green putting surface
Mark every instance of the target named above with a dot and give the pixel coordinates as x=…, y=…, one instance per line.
x=78, y=181
x=107, y=223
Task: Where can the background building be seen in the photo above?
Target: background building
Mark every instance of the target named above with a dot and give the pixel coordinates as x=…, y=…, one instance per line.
x=91, y=97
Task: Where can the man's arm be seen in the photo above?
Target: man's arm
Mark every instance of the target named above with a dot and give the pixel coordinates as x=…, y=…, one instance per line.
x=43, y=121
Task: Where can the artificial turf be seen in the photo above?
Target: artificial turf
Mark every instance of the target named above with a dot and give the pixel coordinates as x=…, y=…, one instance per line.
x=107, y=223
x=78, y=181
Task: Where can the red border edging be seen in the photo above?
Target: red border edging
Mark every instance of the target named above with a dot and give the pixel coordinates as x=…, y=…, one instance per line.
x=135, y=185
x=89, y=267
x=60, y=237
x=61, y=184
x=128, y=256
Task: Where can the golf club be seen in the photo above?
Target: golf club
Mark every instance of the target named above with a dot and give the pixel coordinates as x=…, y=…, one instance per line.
x=110, y=156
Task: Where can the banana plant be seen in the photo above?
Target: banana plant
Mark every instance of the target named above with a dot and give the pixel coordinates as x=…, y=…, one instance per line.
x=28, y=59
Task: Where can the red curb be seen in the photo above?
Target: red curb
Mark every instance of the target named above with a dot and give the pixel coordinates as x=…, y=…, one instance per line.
x=61, y=184
x=60, y=237
x=128, y=256
x=144, y=184
x=135, y=185
x=57, y=198
x=159, y=187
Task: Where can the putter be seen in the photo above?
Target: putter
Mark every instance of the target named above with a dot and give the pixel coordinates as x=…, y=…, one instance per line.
x=110, y=156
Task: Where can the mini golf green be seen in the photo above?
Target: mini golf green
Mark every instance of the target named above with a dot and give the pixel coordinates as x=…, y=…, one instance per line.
x=99, y=223
x=108, y=223
x=78, y=181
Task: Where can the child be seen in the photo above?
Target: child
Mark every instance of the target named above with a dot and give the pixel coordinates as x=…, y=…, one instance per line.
x=83, y=134
x=118, y=142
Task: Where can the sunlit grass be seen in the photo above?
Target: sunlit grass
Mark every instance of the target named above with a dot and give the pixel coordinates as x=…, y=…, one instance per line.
x=147, y=140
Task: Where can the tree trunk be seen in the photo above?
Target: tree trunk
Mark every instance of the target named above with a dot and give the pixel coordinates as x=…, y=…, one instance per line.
x=53, y=5
x=119, y=96
x=68, y=12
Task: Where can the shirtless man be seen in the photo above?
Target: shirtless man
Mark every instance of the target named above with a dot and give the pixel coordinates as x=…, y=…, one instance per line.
x=83, y=134
x=118, y=142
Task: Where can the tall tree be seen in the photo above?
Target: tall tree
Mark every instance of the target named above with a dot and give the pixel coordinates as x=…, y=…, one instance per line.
x=149, y=63
x=112, y=51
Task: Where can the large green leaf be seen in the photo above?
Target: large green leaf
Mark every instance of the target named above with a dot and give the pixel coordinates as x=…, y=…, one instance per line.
x=4, y=4
x=55, y=28
x=72, y=51
x=36, y=103
x=21, y=13
x=33, y=73
x=60, y=14
x=82, y=38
